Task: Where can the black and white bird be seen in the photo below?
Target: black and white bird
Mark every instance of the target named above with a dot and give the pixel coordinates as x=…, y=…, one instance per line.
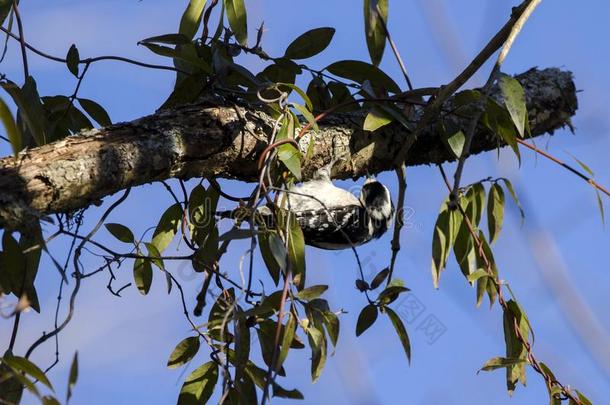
x=333, y=218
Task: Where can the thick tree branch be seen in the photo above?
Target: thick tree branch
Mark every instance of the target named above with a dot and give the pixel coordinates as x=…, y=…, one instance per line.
x=205, y=140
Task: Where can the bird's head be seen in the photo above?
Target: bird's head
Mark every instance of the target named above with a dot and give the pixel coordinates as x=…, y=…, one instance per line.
x=375, y=197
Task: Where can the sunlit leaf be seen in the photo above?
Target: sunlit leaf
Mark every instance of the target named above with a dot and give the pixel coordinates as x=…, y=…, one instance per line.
x=191, y=18
x=374, y=10
x=514, y=98
x=310, y=43
x=456, y=143
x=291, y=158
x=375, y=119
x=501, y=362
x=367, y=317
x=317, y=342
x=142, y=275
x=199, y=385
x=310, y=293
x=236, y=14
x=168, y=226
x=13, y=132
x=184, y=352
x=21, y=364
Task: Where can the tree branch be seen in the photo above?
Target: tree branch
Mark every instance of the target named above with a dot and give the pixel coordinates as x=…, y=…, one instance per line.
x=211, y=140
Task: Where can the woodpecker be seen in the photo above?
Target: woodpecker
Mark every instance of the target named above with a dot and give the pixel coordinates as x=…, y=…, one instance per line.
x=333, y=218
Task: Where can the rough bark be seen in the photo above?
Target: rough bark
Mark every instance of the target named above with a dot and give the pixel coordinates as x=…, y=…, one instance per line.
x=203, y=140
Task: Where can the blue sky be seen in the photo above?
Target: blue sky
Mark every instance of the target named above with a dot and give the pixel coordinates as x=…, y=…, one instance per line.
x=124, y=343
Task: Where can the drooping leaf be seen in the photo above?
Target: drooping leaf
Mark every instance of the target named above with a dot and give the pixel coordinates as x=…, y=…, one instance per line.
x=306, y=114
x=303, y=95
x=236, y=14
x=143, y=275
x=30, y=107
x=5, y=9
x=31, y=244
x=73, y=377
x=499, y=121
x=291, y=158
x=270, y=262
x=72, y=60
x=359, y=71
x=23, y=365
x=199, y=385
x=121, y=232
x=367, y=317
x=184, y=352
x=288, y=336
x=191, y=18
x=374, y=10
x=296, y=253
x=600, y=204
x=514, y=99
x=236, y=234
x=317, y=342
x=310, y=43
x=14, y=135
x=495, y=211
x=401, y=331
x=391, y=293
x=440, y=245
x=513, y=194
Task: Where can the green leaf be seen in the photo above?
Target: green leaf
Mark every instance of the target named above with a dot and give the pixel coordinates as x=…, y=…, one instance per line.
x=72, y=60
x=72, y=377
x=367, y=317
x=186, y=53
x=456, y=143
x=331, y=321
x=317, y=342
x=307, y=114
x=477, y=274
x=495, y=211
x=189, y=23
x=143, y=275
x=49, y=400
x=499, y=121
x=373, y=27
x=303, y=95
x=31, y=244
x=391, y=293
x=310, y=43
x=515, y=349
x=199, y=385
x=121, y=232
x=14, y=134
x=184, y=352
x=236, y=14
x=5, y=9
x=296, y=253
x=30, y=107
x=12, y=265
x=583, y=398
x=236, y=234
x=501, y=362
x=312, y=292
x=290, y=156
x=168, y=226
x=375, y=119
x=583, y=165
x=359, y=71
x=514, y=99
x=513, y=194
x=288, y=336
x=600, y=204
x=168, y=39
x=270, y=262
x=95, y=111
x=401, y=331
x=278, y=250
x=440, y=245
x=380, y=278
x=23, y=365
